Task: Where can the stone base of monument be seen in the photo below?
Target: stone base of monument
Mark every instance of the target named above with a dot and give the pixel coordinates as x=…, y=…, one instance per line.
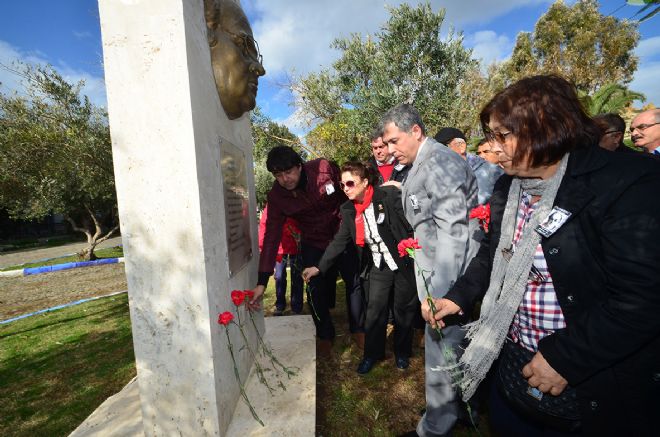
x=285, y=413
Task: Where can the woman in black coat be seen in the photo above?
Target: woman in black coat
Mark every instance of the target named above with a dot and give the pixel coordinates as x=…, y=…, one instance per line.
x=569, y=275
x=373, y=220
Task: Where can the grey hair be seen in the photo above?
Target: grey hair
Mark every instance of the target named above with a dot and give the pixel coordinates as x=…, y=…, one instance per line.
x=404, y=116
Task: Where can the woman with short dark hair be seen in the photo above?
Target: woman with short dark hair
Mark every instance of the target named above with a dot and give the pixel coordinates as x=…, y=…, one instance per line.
x=373, y=221
x=569, y=275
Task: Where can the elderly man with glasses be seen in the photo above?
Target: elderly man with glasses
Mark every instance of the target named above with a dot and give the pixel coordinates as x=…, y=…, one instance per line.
x=645, y=131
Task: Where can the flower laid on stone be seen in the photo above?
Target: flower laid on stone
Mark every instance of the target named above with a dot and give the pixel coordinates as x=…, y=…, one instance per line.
x=264, y=347
x=225, y=319
x=482, y=213
x=239, y=297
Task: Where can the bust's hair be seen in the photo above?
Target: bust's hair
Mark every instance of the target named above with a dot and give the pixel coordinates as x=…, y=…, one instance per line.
x=545, y=116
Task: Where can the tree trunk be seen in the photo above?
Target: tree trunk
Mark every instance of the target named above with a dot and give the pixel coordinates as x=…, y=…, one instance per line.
x=93, y=239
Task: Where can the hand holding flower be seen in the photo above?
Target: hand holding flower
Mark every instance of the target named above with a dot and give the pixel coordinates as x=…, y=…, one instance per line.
x=257, y=293
x=309, y=273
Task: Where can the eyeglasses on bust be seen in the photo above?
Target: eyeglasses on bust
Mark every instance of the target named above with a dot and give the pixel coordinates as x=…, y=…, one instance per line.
x=349, y=184
x=248, y=46
x=642, y=127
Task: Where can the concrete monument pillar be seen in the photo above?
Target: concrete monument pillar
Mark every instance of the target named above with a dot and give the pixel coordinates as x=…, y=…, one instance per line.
x=185, y=189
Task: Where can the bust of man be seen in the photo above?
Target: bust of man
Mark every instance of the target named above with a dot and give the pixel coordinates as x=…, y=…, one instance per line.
x=235, y=56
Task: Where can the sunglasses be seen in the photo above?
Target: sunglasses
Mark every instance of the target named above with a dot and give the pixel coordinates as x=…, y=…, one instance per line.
x=349, y=184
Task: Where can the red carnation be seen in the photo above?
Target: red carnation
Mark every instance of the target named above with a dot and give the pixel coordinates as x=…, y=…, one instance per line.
x=482, y=213
x=238, y=297
x=249, y=294
x=225, y=318
x=408, y=246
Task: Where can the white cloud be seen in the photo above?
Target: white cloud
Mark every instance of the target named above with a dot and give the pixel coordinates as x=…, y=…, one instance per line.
x=296, y=34
x=82, y=35
x=489, y=46
x=94, y=86
x=646, y=82
x=648, y=48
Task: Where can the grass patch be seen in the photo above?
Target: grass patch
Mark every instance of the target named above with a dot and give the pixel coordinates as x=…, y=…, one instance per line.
x=110, y=252
x=57, y=368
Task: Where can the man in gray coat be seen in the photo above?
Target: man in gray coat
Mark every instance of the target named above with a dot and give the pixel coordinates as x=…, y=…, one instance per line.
x=437, y=196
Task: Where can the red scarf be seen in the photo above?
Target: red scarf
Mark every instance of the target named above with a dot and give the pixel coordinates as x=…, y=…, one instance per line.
x=359, y=218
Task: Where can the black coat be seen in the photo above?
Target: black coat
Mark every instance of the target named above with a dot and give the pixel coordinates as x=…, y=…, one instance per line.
x=605, y=266
x=394, y=228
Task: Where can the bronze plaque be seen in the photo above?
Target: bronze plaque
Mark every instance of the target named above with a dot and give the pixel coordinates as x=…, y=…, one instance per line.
x=237, y=206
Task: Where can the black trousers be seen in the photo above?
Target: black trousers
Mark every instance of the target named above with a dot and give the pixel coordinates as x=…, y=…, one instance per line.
x=348, y=265
x=318, y=294
x=386, y=285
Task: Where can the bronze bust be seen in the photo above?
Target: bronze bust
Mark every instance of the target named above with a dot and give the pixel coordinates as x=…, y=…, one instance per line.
x=235, y=57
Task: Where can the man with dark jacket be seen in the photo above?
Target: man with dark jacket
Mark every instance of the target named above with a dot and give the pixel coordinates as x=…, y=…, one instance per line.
x=309, y=193
x=382, y=160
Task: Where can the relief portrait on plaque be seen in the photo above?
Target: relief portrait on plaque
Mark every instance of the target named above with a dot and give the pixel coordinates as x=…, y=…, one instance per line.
x=237, y=63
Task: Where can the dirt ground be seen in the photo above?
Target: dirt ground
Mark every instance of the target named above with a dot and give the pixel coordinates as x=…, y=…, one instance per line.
x=24, y=294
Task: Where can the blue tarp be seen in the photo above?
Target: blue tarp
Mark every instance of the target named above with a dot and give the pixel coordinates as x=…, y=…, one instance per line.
x=66, y=266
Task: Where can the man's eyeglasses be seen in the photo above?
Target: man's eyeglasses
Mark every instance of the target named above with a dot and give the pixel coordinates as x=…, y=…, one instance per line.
x=642, y=127
x=248, y=46
x=349, y=184
x=500, y=137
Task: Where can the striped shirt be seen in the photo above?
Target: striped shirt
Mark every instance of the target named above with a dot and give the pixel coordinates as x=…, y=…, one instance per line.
x=539, y=313
x=373, y=239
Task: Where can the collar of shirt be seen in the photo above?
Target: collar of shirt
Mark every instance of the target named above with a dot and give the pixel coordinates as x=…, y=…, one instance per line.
x=389, y=162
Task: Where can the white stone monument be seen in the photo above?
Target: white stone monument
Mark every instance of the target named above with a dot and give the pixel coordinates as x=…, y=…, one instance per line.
x=183, y=171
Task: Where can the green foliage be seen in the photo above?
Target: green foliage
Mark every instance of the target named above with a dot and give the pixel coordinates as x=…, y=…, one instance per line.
x=267, y=134
x=56, y=155
x=610, y=98
x=341, y=138
x=578, y=42
x=263, y=182
x=406, y=61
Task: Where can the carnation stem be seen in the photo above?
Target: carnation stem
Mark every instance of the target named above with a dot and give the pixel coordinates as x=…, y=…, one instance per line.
x=273, y=359
x=259, y=369
x=238, y=379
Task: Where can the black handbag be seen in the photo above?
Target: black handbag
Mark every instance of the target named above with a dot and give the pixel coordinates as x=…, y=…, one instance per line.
x=561, y=412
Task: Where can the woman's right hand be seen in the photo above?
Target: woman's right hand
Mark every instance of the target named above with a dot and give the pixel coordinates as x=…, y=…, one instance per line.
x=309, y=273
x=443, y=308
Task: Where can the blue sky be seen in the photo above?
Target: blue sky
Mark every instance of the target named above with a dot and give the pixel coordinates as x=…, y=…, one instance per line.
x=294, y=36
